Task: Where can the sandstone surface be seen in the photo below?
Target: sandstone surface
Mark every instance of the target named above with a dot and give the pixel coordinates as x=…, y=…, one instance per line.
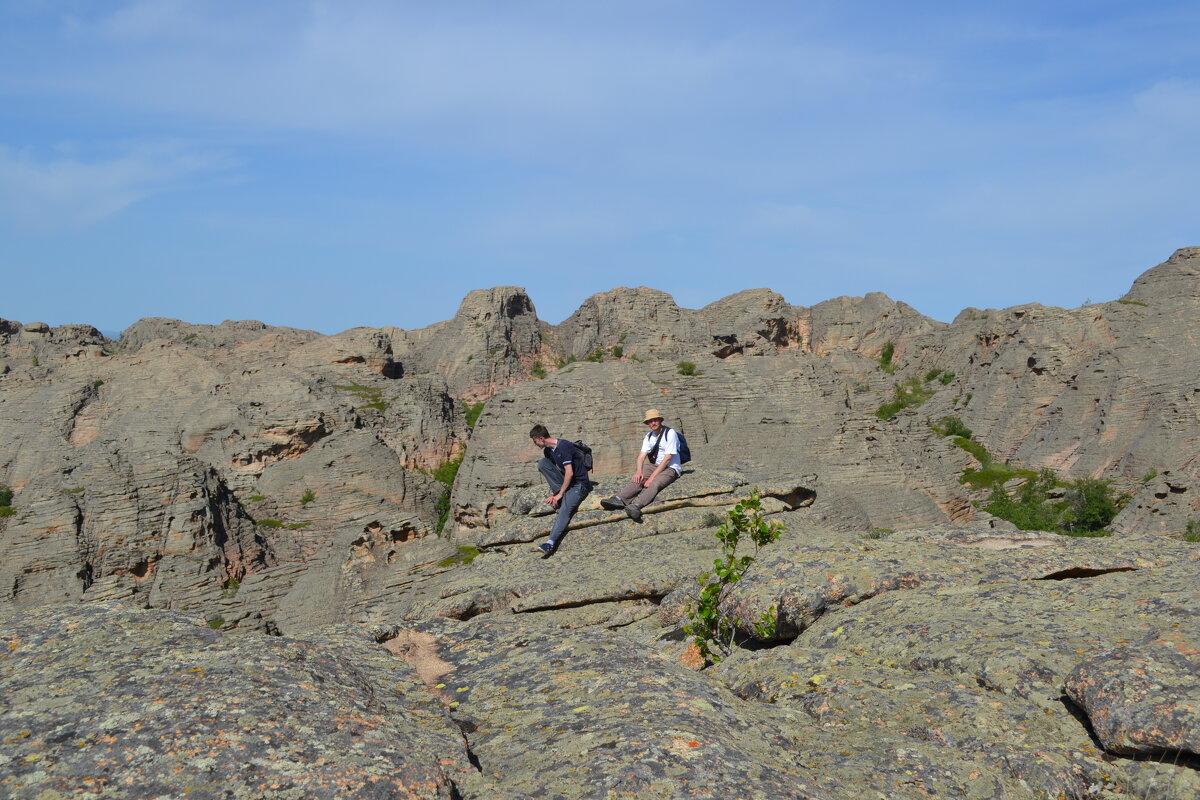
x=274, y=484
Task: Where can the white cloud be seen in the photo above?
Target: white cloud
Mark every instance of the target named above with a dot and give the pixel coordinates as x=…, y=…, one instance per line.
x=66, y=191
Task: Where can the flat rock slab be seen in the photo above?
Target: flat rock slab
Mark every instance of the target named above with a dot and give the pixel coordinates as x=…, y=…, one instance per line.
x=99, y=701
x=596, y=715
x=812, y=571
x=589, y=569
x=1144, y=699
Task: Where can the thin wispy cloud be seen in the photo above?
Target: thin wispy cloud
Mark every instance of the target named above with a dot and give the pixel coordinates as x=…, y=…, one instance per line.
x=66, y=189
x=824, y=147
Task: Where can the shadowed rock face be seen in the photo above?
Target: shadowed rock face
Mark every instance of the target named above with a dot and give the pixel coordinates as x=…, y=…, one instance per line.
x=271, y=480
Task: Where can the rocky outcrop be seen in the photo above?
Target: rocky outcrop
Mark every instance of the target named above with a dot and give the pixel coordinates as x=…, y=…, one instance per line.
x=494, y=340
x=172, y=469
x=101, y=701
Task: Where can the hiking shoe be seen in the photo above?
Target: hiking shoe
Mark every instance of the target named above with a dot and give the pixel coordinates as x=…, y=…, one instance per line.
x=613, y=503
x=547, y=549
x=634, y=513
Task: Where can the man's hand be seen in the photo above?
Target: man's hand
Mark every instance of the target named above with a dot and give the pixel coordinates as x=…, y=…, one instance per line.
x=637, y=477
x=554, y=500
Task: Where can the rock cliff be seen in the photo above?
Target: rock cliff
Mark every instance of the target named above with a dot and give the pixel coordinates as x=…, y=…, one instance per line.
x=232, y=530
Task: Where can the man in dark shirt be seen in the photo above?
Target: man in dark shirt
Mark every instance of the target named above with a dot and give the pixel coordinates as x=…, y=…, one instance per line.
x=567, y=476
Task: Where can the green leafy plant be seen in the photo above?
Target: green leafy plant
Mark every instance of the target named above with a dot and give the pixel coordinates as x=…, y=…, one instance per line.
x=256, y=498
x=687, y=368
x=885, y=357
x=909, y=394
x=1192, y=534
x=713, y=633
x=595, y=356
x=951, y=426
x=96, y=384
x=230, y=587
x=308, y=496
x=445, y=474
x=538, y=371
x=297, y=526
x=1132, y=303
x=1045, y=503
x=6, y=506
x=472, y=413
x=216, y=623
x=878, y=533
x=35, y=362
x=269, y=523
x=1149, y=476
x=617, y=351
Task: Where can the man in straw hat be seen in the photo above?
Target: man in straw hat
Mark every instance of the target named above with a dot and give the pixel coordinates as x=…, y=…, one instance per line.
x=658, y=466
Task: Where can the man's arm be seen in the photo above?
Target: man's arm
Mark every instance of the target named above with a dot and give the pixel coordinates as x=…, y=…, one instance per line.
x=568, y=473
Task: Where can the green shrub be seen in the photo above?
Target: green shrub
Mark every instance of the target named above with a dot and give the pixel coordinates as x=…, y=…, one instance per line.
x=1090, y=505
x=269, y=523
x=96, y=384
x=5, y=496
x=230, y=587
x=687, y=368
x=445, y=474
x=951, y=426
x=7, y=511
x=216, y=623
x=1133, y=303
x=35, y=362
x=298, y=526
x=472, y=412
x=710, y=629
x=878, y=533
x=1192, y=534
x=617, y=351
x=885, y=357
x=538, y=371
x=596, y=356
x=1149, y=476
x=1087, y=506
x=256, y=498
x=909, y=394
x=308, y=496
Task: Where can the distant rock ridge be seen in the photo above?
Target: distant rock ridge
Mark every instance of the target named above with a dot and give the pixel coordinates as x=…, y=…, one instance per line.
x=183, y=463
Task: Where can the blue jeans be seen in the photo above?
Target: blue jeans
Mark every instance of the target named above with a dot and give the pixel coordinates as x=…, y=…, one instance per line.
x=570, y=499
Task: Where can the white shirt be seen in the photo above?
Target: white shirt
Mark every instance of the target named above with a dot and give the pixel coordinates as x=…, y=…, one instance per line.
x=667, y=448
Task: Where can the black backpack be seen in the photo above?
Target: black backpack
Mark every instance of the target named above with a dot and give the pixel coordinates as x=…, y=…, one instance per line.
x=585, y=454
x=685, y=452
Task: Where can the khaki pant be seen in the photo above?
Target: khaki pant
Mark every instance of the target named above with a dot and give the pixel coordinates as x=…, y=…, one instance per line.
x=642, y=495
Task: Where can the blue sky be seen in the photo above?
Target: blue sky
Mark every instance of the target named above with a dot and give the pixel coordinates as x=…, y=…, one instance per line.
x=332, y=164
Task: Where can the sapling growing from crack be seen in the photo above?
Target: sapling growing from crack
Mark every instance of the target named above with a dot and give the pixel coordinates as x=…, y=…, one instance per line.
x=712, y=631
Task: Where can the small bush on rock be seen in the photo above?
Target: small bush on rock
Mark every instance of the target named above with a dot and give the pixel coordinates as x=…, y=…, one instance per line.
x=712, y=632
x=687, y=368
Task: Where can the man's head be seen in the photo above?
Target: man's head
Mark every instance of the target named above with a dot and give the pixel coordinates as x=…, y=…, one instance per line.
x=539, y=434
x=653, y=419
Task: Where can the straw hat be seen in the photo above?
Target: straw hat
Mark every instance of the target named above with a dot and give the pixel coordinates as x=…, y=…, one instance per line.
x=652, y=414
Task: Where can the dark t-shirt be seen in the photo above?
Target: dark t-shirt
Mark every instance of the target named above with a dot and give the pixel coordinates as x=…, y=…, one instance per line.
x=565, y=453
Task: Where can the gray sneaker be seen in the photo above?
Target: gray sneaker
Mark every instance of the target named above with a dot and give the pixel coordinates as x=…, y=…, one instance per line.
x=613, y=503
x=634, y=513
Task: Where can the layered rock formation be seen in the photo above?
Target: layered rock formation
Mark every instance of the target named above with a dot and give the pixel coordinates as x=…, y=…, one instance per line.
x=269, y=480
